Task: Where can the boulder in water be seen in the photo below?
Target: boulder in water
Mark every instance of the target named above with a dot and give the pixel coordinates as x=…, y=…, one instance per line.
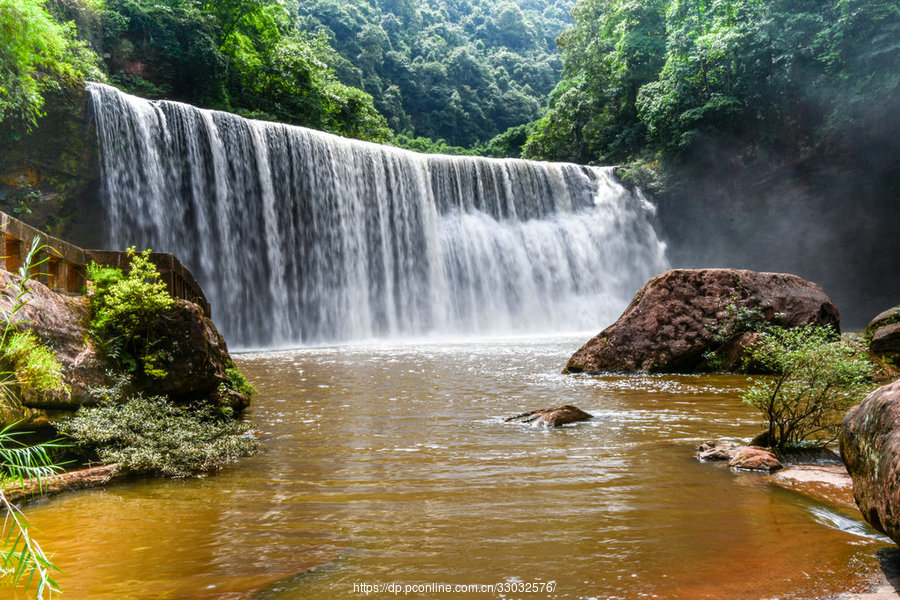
x=870, y=447
x=553, y=417
x=752, y=458
x=678, y=316
x=196, y=355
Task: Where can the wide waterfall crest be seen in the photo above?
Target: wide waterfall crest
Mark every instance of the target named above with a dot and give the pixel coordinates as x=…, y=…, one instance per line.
x=299, y=236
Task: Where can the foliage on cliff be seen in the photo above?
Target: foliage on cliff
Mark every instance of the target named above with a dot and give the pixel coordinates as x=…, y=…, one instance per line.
x=668, y=78
x=38, y=55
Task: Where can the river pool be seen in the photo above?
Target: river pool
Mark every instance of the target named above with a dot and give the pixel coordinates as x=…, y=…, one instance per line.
x=390, y=465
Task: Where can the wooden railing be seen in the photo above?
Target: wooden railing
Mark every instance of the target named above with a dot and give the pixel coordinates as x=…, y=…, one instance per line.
x=66, y=266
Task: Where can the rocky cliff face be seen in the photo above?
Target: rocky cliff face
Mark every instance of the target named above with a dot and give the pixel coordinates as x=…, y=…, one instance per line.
x=676, y=317
x=50, y=178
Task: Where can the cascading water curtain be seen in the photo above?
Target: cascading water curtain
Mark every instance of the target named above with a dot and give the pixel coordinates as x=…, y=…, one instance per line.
x=299, y=236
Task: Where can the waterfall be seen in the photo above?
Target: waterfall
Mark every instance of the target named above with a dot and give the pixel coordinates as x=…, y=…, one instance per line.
x=299, y=236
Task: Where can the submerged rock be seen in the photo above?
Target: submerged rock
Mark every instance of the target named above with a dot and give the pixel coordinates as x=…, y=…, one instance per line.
x=870, y=447
x=716, y=451
x=753, y=458
x=554, y=417
x=677, y=317
x=830, y=483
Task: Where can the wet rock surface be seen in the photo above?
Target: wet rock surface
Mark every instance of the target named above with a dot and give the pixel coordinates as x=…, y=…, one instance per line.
x=870, y=447
x=753, y=458
x=552, y=417
x=673, y=320
x=196, y=353
x=829, y=483
x=716, y=451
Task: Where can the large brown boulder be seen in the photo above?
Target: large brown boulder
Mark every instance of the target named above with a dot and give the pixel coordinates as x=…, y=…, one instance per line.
x=678, y=316
x=196, y=354
x=870, y=447
x=62, y=323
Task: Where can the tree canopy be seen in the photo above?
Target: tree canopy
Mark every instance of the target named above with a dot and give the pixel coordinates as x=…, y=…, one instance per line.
x=662, y=78
x=638, y=80
x=38, y=54
x=460, y=71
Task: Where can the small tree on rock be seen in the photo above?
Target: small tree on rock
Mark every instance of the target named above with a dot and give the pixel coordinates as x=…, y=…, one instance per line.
x=818, y=376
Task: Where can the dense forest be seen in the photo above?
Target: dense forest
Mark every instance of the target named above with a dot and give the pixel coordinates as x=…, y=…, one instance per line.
x=428, y=75
x=665, y=79
x=248, y=57
x=637, y=80
x=461, y=70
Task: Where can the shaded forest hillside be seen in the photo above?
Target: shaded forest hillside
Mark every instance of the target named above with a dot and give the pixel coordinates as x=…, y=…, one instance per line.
x=769, y=132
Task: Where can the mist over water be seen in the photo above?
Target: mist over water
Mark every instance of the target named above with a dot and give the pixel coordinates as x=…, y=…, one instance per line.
x=299, y=236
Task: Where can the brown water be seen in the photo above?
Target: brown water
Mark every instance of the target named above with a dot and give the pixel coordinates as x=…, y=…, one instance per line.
x=391, y=464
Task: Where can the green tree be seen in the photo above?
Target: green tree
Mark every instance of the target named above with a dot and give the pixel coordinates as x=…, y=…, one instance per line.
x=461, y=71
x=613, y=49
x=817, y=378
x=167, y=49
x=38, y=55
x=123, y=310
x=678, y=80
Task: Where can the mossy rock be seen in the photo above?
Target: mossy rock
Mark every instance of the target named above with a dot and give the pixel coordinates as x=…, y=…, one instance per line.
x=888, y=317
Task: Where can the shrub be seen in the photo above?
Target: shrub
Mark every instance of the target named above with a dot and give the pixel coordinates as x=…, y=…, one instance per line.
x=23, y=359
x=238, y=382
x=35, y=366
x=818, y=376
x=154, y=436
x=124, y=307
x=737, y=320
